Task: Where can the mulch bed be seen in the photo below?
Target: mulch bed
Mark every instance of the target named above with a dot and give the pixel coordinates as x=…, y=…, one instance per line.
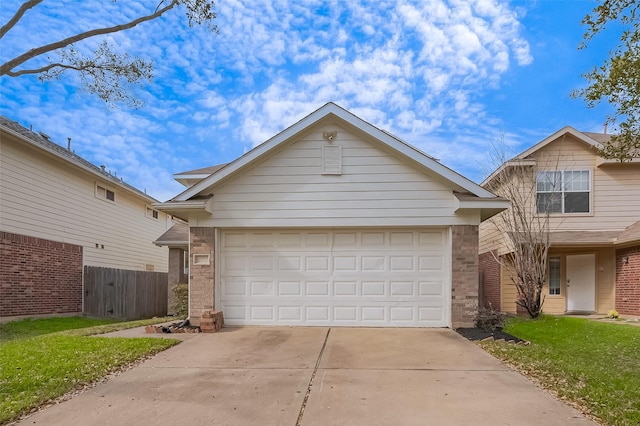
x=475, y=334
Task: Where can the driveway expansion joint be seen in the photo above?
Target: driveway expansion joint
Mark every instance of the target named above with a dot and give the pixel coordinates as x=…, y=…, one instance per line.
x=313, y=376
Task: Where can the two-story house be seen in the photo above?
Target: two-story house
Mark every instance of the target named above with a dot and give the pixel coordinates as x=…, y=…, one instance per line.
x=60, y=213
x=593, y=225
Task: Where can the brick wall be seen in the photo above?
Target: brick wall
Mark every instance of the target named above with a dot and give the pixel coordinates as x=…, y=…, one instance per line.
x=201, y=277
x=464, y=275
x=39, y=277
x=628, y=281
x=489, y=280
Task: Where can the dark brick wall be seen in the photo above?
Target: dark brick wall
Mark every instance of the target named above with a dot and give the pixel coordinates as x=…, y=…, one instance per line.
x=464, y=275
x=489, y=280
x=628, y=281
x=39, y=277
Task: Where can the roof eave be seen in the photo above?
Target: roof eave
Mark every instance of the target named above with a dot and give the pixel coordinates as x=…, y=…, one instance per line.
x=182, y=209
x=331, y=109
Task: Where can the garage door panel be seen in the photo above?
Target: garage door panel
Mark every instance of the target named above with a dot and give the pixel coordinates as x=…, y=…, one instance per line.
x=262, y=288
x=290, y=313
x=430, y=263
x=317, y=288
x=317, y=264
x=372, y=277
x=290, y=288
x=290, y=263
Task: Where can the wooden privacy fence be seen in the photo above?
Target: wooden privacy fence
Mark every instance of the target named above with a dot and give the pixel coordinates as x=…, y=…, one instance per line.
x=123, y=294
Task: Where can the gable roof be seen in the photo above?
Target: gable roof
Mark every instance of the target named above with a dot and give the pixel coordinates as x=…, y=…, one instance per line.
x=176, y=236
x=42, y=142
x=593, y=140
x=333, y=111
x=630, y=235
x=587, y=138
x=191, y=176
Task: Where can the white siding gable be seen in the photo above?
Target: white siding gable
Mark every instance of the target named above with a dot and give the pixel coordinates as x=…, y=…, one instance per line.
x=292, y=188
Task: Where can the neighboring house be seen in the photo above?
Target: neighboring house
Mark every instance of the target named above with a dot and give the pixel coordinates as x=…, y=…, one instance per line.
x=334, y=222
x=594, y=228
x=59, y=213
x=177, y=240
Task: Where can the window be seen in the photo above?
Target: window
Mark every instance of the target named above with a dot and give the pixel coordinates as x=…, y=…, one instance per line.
x=105, y=194
x=151, y=213
x=554, y=275
x=185, y=261
x=563, y=192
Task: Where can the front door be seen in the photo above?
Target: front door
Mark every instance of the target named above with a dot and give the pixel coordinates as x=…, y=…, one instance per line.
x=581, y=282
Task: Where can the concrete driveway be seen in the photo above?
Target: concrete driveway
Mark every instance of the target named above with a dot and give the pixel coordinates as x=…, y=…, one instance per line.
x=315, y=376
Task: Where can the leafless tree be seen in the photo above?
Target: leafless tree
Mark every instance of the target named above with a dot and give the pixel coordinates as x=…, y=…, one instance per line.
x=524, y=228
x=106, y=73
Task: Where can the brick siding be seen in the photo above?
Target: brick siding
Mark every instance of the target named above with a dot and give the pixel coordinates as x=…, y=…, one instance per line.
x=489, y=280
x=39, y=277
x=464, y=275
x=201, y=277
x=628, y=281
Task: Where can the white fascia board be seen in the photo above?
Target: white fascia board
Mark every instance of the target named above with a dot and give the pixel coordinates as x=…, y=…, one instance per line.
x=186, y=206
x=418, y=156
x=190, y=180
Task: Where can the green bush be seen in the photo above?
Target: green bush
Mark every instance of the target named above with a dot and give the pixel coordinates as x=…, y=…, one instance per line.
x=181, y=295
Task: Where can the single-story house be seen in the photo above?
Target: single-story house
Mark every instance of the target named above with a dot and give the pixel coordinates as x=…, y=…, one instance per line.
x=334, y=222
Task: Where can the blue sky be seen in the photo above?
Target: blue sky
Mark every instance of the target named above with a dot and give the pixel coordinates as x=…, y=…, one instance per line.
x=453, y=78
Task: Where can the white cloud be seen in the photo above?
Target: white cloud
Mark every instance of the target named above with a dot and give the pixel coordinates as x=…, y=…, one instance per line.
x=415, y=68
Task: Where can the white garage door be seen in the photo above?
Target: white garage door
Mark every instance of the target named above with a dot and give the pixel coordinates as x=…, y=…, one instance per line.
x=376, y=278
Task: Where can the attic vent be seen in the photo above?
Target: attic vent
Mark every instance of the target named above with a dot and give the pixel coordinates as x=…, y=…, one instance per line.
x=332, y=160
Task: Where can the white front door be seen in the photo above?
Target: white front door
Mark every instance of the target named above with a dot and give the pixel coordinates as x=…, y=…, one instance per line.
x=581, y=282
x=350, y=277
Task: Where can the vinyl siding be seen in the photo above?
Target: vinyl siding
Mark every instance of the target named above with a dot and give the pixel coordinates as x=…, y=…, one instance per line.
x=615, y=188
x=509, y=292
x=605, y=281
x=374, y=189
x=615, y=204
x=45, y=197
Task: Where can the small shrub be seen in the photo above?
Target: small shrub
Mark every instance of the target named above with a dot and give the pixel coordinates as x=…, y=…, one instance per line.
x=181, y=294
x=489, y=319
x=613, y=314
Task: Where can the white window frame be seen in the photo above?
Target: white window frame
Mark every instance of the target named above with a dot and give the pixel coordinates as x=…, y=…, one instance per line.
x=152, y=213
x=560, y=186
x=555, y=282
x=102, y=192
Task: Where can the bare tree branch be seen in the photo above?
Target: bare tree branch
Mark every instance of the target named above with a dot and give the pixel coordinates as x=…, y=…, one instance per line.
x=5, y=69
x=18, y=15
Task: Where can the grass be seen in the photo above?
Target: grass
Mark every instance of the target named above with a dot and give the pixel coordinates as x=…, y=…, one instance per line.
x=593, y=365
x=43, y=359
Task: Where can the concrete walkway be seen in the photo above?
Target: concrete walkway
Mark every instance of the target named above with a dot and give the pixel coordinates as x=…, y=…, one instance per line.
x=315, y=376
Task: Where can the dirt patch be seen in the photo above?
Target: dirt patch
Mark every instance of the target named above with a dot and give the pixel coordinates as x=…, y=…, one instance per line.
x=475, y=334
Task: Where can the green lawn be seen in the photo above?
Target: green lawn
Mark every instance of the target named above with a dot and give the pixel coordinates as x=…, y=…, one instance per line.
x=593, y=364
x=43, y=359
